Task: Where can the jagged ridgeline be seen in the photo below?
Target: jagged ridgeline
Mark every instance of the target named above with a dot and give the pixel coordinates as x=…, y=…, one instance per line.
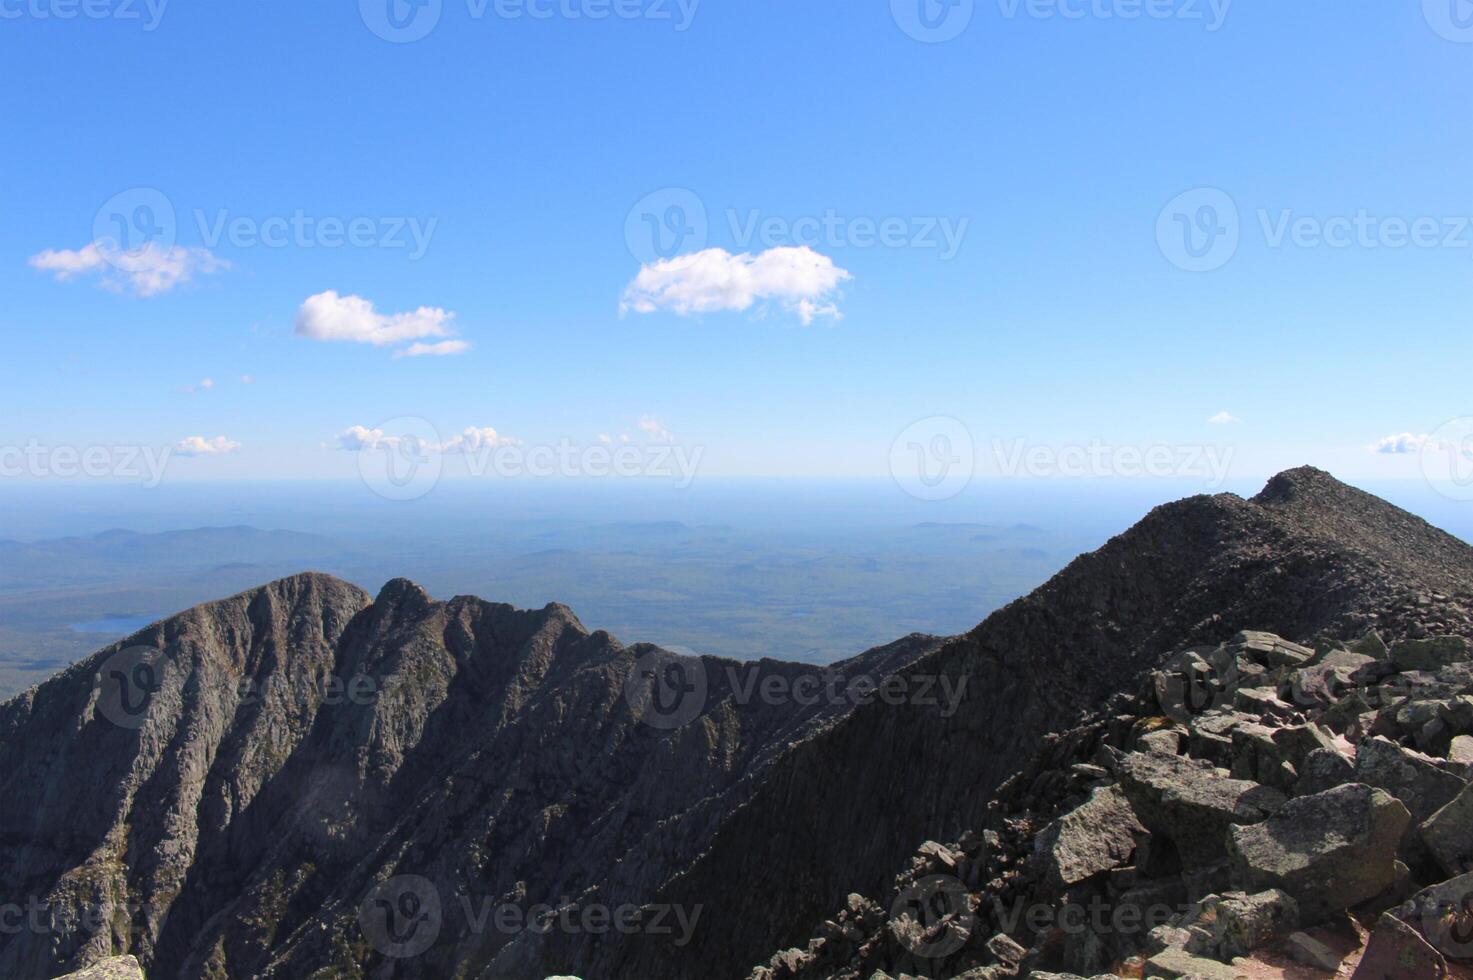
x=304, y=780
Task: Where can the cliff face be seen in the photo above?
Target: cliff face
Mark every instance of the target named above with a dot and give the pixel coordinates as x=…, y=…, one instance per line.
x=303, y=778
x=221, y=793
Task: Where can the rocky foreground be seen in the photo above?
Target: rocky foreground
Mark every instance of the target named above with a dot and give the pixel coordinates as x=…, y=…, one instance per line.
x=1261, y=805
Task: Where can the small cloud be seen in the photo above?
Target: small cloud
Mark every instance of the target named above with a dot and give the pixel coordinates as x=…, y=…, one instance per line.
x=1401, y=445
x=200, y=446
x=801, y=280
x=207, y=383
x=605, y=439
x=474, y=440
x=445, y=348
x=330, y=317
x=204, y=385
x=247, y=379
x=653, y=428
x=1224, y=418
x=357, y=438
x=148, y=271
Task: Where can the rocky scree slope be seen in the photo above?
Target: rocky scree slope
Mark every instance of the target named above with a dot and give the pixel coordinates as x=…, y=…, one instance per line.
x=1257, y=803
x=1309, y=557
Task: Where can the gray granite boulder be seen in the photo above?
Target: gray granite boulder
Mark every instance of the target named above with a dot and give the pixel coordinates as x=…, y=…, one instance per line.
x=1329, y=851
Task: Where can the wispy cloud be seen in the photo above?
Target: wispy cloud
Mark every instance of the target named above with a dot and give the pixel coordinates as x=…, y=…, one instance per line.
x=147, y=271
x=360, y=438
x=655, y=429
x=800, y=280
x=352, y=319
x=1401, y=445
x=1223, y=418
x=473, y=440
x=444, y=348
x=200, y=446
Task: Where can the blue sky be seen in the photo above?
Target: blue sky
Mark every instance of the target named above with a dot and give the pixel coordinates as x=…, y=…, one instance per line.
x=1049, y=145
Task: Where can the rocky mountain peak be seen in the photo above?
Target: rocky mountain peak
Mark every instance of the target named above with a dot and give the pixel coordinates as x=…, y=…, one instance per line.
x=231, y=790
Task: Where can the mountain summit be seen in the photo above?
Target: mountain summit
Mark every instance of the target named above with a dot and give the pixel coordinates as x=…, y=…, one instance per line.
x=306, y=780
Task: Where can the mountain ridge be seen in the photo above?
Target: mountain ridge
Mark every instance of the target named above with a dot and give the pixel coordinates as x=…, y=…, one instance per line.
x=515, y=756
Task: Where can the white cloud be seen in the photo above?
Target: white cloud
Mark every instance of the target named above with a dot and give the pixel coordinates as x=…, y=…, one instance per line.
x=328, y=316
x=605, y=439
x=204, y=385
x=1223, y=418
x=653, y=428
x=358, y=438
x=800, y=279
x=246, y=379
x=474, y=440
x=147, y=271
x=444, y=348
x=1401, y=445
x=200, y=446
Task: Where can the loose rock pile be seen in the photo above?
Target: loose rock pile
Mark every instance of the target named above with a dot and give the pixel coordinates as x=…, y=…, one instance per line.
x=1250, y=800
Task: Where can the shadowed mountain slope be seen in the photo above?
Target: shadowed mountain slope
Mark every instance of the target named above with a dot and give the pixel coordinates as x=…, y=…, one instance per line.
x=302, y=747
